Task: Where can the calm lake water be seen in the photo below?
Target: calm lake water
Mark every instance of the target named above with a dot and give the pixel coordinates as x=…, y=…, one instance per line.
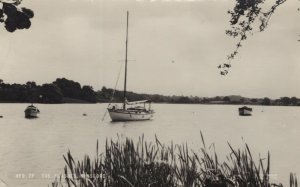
x=31, y=149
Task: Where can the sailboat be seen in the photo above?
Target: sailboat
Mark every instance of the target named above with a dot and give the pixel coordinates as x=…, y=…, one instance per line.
x=130, y=111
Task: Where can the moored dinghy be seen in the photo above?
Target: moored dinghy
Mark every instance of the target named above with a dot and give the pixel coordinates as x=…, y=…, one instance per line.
x=245, y=111
x=31, y=111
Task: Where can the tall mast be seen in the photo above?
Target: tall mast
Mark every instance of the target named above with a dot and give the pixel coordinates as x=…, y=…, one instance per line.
x=125, y=80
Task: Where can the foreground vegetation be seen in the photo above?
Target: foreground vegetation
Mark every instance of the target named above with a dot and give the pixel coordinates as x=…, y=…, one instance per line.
x=145, y=164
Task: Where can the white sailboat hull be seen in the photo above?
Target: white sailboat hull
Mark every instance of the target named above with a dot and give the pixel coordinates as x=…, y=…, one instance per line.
x=129, y=116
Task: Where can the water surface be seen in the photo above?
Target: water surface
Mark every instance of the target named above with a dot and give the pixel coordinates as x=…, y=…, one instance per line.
x=31, y=149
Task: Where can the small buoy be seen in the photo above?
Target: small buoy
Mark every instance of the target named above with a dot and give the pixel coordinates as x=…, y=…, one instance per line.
x=84, y=114
x=2, y=183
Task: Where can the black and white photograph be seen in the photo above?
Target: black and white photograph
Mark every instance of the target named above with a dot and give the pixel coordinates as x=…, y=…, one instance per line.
x=149, y=93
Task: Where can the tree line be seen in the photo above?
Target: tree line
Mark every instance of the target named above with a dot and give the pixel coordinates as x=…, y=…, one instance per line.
x=105, y=96
x=63, y=90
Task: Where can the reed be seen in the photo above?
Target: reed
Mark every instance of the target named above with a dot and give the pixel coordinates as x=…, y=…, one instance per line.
x=153, y=164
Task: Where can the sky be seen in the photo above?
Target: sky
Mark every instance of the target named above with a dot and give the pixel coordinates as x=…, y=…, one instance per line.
x=174, y=48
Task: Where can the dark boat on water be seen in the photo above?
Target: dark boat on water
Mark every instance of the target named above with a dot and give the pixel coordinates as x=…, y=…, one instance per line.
x=31, y=111
x=245, y=111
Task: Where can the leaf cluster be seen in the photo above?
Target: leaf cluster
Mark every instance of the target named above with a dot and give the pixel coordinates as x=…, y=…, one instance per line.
x=15, y=17
x=247, y=16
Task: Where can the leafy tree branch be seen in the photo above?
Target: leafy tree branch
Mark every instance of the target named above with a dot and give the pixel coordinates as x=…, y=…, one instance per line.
x=246, y=17
x=14, y=17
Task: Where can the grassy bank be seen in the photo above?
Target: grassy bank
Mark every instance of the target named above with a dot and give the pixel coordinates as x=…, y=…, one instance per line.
x=144, y=164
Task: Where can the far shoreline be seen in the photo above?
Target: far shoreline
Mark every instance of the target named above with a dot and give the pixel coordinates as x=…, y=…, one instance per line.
x=63, y=90
x=83, y=102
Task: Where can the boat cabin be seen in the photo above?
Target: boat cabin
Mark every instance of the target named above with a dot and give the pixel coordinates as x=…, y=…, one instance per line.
x=245, y=111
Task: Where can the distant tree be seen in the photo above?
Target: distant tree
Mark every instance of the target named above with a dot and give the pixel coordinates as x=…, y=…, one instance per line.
x=254, y=100
x=158, y=98
x=69, y=88
x=294, y=100
x=104, y=95
x=226, y=98
x=197, y=99
x=266, y=101
x=15, y=93
x=88, y=94
x=247, y=17
x=50, y=93
x=31, y=84
x=183, y=99
x=217, y=98
x=285, y=100
x=1, y=90
x=13, y=16
x=32, y=92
